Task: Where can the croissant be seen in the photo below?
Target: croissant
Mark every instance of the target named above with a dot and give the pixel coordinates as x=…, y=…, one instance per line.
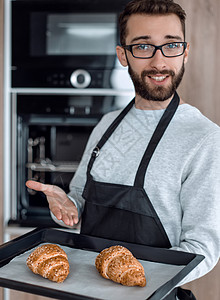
x=118, y=264
x=49, y=261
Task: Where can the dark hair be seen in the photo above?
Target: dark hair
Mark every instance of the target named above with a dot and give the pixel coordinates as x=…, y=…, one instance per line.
x=151, y=7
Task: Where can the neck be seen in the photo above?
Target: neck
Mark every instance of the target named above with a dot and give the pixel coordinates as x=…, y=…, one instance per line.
x=141, y=103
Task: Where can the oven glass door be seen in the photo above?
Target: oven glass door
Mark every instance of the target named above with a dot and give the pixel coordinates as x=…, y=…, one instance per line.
x=65, y=33
x=73, y=34
x=52, y=133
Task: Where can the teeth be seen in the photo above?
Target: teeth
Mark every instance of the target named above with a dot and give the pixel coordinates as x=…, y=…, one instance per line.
x=158, y=78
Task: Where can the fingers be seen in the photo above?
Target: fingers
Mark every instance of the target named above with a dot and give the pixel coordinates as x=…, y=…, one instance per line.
x=59, y=203
x=70, y=219
x=67, y=213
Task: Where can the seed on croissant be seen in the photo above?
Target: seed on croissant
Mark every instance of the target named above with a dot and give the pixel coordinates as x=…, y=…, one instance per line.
x=49, y=261
x=118, y=264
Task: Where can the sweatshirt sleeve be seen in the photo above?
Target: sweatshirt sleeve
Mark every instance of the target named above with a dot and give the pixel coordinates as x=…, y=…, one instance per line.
x=200, y=201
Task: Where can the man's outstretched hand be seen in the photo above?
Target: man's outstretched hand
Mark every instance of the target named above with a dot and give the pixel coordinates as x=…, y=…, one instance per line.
x=60, y=205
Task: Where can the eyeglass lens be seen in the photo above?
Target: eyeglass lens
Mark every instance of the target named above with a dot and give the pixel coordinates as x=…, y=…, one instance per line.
x=147, y=50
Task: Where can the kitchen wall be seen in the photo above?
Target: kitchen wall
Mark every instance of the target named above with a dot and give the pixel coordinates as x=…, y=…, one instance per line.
x=200, y=87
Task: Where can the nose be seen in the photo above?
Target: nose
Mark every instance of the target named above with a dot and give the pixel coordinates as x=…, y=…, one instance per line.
x=158, y=61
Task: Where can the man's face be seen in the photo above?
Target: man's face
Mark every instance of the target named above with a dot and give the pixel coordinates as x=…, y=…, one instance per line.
x=158, y=92
x=158, y=77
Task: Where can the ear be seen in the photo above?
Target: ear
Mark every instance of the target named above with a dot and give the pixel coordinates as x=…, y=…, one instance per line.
x=121, y=56
x=186, y=53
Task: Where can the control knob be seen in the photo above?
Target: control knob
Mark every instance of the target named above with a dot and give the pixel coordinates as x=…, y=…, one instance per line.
x=80, y=79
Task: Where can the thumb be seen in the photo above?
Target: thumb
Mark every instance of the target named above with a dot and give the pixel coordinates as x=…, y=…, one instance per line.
x=34, y=185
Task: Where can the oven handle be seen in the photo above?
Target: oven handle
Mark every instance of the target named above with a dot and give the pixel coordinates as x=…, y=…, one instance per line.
x=46, y=167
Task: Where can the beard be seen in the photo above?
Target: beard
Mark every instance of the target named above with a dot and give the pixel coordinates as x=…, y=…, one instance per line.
x=157, y=93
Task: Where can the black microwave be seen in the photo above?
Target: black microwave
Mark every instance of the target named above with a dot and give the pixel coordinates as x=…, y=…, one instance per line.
x=65, y=43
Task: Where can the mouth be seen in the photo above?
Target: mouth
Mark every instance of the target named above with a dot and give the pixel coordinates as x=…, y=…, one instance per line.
x=159, y=79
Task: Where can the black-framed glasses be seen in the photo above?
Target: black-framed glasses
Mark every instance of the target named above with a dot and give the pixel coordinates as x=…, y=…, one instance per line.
x=148, y=50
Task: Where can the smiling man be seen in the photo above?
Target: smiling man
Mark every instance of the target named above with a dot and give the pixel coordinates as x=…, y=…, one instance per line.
x=150, y=173
x=151, y=41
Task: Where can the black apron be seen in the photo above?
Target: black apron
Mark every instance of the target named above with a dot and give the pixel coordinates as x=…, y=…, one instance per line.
x=121, y=212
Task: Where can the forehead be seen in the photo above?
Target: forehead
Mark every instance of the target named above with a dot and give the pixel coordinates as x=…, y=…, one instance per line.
x=156, y=27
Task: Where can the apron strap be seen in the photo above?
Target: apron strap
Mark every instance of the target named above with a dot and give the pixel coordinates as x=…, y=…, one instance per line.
x=180, y=294
x=184, y=294
x=107, y=134
x=157, y=135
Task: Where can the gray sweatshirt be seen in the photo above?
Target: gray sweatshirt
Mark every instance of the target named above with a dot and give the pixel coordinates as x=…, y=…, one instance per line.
x=182, y=180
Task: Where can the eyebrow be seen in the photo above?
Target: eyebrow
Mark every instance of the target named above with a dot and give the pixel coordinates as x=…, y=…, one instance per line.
x=148, y=37
x=142, y=37
x=173, y=37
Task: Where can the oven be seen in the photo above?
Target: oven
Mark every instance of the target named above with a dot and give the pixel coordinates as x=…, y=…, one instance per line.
x=63, y=76
x=50, y=131
x=64, y=44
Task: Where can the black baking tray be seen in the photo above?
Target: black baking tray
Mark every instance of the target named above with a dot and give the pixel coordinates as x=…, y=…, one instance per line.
x=15, y=247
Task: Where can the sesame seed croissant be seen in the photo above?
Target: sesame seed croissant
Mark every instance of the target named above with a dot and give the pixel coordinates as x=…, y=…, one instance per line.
x=49, y=261
x=118, y=264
